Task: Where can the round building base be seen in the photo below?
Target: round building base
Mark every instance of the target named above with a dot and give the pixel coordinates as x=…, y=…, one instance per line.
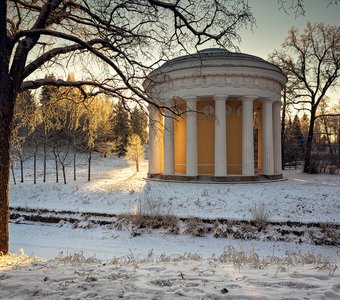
x=217, y=179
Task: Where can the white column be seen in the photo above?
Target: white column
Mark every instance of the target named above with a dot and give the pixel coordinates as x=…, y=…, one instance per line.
x=247, y=136
x=220, y=136
x=277, y=137
x=191, y=138
x=267, y=138
x=152, y=140
x=169, y=153
x=155, y=119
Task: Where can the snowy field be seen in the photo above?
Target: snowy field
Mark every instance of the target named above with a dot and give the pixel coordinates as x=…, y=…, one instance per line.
x=101, y=262
x=168, y=277
x=116, y=188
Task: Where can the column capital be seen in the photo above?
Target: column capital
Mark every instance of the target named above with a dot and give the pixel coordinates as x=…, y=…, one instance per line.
x=169, y=102
x=220, y=97
x=190, y=98
x=277, y=103
x=265, y=100
x=248, y=98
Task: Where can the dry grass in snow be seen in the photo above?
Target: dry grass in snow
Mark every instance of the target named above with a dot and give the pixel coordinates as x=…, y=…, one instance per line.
x=235, y=274
x=14, y=260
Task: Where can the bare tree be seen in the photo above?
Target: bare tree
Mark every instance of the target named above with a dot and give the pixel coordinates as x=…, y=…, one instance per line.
x=118, y=41
x=298, y=6
x=311, y=60
x=13, y=173
x=24, y=122
x=135, y=150
x=60, y=151
x=328, y=119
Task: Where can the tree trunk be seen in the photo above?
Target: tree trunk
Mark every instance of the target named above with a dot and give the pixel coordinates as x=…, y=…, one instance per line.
x=56, y=166
x=137, y=164
x=35, y=165
x=308, y=154
x=7, y=101
x=4, y=180
x=45, y=160
x=13, y=174
x=74, y=167
x=339, y=141
x=9, y=85
x=64, y=173
x=21, y=169
x=89, y=167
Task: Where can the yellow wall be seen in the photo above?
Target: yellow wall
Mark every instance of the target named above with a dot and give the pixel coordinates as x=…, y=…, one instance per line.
x=234, y=139
x=180, y=141
x=205, y=138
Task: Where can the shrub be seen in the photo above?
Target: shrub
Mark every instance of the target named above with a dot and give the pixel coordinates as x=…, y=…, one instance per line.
x=196, y=227
x=261, y=214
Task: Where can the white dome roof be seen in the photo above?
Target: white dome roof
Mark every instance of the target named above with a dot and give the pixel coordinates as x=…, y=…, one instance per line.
x=213, y=53
x=227, y=71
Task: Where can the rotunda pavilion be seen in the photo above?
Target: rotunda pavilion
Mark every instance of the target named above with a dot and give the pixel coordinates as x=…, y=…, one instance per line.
x=220, y=117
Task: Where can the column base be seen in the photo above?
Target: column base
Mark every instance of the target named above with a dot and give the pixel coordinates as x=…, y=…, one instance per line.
x=153, y=175
x=274, y=177
x=172, y=177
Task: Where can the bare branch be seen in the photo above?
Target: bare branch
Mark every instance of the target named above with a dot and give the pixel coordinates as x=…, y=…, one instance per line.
x=327, y=115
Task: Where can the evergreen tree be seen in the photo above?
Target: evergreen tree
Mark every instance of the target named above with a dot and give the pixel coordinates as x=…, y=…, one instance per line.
x=24, y=114
x=48, y=112
x=288, y=142
x=48, y=93
x=298, y=138
x=304, y=127
x=121, y=128
x=139, y=121
x=293, y=141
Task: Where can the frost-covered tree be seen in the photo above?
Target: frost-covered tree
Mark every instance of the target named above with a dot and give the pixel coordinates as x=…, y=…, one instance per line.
x=311, y=60
x=139, y=123
x=113, y=43
x=135, y=150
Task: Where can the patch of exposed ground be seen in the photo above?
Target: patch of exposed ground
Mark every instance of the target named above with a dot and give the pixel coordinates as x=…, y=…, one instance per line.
x=312, y=233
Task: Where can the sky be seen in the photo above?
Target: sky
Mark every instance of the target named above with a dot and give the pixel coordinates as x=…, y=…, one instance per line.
x=272, y=24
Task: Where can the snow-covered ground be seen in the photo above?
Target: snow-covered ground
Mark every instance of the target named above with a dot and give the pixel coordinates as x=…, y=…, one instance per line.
x=116, y=189
x=233, y=275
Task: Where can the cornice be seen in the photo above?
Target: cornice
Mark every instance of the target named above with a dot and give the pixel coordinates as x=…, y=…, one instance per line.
x=210, y=81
